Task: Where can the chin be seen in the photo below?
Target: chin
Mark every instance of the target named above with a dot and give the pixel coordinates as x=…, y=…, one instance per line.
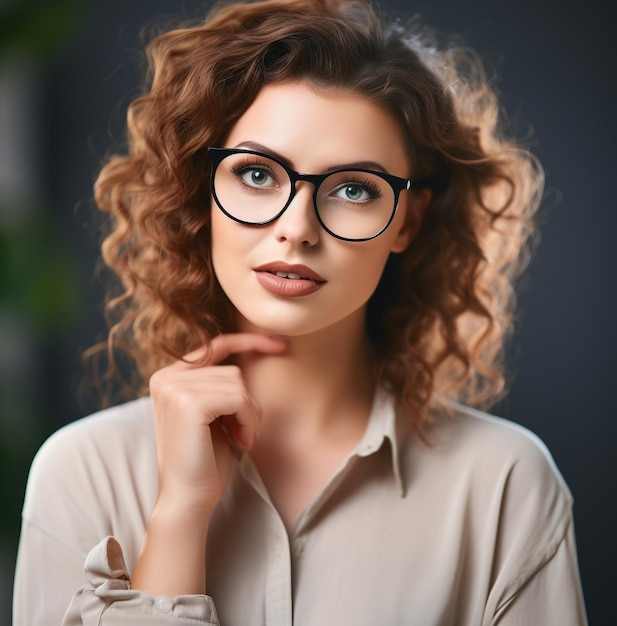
x=296, y=323
x=284, y=328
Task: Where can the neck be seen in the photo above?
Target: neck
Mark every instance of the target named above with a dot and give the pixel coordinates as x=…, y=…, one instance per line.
x=320, y=386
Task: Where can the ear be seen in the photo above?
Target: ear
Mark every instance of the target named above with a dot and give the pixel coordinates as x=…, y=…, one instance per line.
x=417, y=201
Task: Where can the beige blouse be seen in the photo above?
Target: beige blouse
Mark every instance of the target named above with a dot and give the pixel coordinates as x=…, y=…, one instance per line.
x=473, y=530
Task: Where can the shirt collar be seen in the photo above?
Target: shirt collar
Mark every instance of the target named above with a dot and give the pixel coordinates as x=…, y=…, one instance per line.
x=384, y=424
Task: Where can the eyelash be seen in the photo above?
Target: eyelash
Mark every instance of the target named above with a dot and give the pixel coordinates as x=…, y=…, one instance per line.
x=365, y=184
x=248, y=164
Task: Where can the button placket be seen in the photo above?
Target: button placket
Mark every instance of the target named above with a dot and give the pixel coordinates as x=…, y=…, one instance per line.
x=279, y=584
x=298, y=546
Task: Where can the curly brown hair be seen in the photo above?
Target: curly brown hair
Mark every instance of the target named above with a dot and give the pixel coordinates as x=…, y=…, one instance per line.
x=443, y=309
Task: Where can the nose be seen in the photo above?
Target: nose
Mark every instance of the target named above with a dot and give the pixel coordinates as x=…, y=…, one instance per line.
x=299, y=225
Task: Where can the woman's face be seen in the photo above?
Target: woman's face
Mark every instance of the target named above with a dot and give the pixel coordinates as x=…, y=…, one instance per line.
x=322, y=281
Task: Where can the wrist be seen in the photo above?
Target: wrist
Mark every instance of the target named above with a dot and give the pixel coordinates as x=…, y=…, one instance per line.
x=180, y=516
x=172, y=561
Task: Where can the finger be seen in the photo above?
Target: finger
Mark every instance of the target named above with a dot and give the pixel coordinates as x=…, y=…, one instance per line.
x=223, y=345
x=220, y=442
x=227, y=398
x=243, y=426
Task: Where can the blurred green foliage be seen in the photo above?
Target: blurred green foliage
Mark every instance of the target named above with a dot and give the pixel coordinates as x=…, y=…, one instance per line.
x=38, y=281
x=36, y=28
x=40, y=299
x=40, y=294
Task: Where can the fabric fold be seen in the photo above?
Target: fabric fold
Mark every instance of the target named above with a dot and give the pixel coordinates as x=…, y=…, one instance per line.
x=109, y=599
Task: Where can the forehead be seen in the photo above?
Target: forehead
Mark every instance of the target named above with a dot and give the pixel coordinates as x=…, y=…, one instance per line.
x=318, y=129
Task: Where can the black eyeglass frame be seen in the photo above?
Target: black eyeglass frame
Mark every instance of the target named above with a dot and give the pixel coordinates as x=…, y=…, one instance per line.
x=397, y=184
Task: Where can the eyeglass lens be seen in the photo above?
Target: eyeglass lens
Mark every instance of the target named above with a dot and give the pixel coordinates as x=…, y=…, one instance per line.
x=351, y=204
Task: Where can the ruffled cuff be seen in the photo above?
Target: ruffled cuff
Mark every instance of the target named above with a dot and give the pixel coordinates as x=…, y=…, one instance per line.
x=108, y=598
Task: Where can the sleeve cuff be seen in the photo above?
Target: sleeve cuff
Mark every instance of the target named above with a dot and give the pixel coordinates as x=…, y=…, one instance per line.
x=109, y=593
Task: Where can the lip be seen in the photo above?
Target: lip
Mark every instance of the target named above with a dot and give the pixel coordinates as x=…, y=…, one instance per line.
x=306, y=273
x=308, y=280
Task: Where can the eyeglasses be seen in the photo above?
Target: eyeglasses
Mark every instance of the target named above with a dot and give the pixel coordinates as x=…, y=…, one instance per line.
x=351, y=204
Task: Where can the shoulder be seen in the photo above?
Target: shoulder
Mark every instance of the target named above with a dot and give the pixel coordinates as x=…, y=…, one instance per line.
x=91, y=469
x=498, y=473
x=511, y=486
x=110, y=432
x=495, y=446
x=499, y=482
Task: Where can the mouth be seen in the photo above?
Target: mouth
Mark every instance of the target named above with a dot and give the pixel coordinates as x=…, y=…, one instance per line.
x=288, y=281
x=291, y=272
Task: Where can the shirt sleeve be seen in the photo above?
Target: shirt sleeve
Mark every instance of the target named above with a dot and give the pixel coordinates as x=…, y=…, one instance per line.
x=109, y=599
x=47, y=574
x=552, y=596
x=84, y=486
x=535, y=577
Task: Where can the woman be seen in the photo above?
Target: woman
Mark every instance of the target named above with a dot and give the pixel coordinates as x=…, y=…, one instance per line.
x=316, y=226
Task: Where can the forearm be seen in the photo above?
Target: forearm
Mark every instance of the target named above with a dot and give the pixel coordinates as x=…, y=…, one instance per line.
x=173, y=557
x=194, y=458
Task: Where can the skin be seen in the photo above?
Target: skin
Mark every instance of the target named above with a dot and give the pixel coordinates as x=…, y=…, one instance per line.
x=315, y=132
x=298, y=395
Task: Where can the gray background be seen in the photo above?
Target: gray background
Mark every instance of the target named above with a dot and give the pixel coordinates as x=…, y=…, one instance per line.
x=556, y=76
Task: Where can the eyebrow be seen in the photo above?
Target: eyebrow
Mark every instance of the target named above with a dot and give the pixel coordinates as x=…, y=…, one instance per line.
x=362, y=165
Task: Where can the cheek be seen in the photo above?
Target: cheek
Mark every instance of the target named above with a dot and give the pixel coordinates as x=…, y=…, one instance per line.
x=377, y=255
x=225, y=248
x=365, y=272
x=226, y=235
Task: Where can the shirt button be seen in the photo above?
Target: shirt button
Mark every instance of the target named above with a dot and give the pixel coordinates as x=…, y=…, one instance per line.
x=164, y=604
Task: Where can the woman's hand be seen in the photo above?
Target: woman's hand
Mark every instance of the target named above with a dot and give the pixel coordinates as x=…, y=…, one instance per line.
x=200, y=409
x=189, y=397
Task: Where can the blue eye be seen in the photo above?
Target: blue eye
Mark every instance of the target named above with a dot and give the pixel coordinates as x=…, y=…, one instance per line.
x=357, y=192
x=257, y=178
x=254, y=175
